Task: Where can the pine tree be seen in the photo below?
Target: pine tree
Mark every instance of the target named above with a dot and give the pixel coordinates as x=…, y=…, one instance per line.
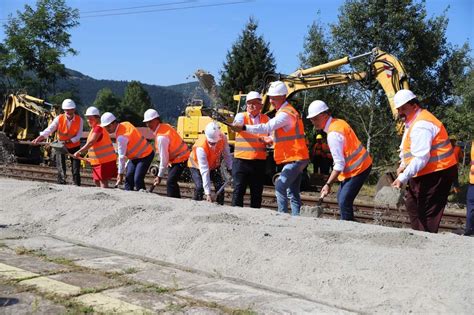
x=246, y=64
x=136, y=101
x=107, y=101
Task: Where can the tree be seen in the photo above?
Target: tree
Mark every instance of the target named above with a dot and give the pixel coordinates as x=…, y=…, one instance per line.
x=315, y=53
x=107, y=101
x=35, y=42
x=401, y=28
x=134, y=103
x=246, y=64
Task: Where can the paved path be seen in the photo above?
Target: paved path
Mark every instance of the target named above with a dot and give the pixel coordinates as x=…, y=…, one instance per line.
x=46, y=275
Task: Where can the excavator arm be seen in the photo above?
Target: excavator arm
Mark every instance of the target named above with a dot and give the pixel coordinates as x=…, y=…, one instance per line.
x=383, y=67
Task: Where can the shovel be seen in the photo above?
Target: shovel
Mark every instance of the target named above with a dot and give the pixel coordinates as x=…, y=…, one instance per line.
x=60, y=148
x=221, y=189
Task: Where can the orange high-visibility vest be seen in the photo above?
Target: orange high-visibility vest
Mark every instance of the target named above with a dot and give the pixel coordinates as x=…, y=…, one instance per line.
x=65, y=133
x=326, y=151
x=137, y=146
x=458, y=153
x=471, y=175
x=213, y=155
x=441, y=154
x=250, y=146
x=102, y=151
x=290, y=145
x=318, y=149
x=177, y=150
x=357, y=158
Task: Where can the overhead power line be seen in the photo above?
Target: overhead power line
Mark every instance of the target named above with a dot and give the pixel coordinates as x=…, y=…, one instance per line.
x=130, y=10
x=168, y=9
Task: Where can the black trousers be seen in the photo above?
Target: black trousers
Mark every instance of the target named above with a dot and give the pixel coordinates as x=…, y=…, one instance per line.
x=426, y=196
x=216, y=178
x=248, y=173
x=76, y=167
x=174, y=173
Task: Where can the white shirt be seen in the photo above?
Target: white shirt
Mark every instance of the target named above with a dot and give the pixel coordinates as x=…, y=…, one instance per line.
x=163, y=143
x=239, y=118
x=54, y=126
x=204, y=165
x=281, y=120
x=336, y=142
x=122, y=142
x=422, y=135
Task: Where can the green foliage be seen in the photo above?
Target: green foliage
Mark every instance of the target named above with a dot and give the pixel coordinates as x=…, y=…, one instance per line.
x=134, y=103
x=36, y=39
x=246, y=64
x=403, y=29
x=107, y=101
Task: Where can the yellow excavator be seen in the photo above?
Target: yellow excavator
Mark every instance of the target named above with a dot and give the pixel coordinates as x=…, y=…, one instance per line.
x=383, y=67
x=22, y=118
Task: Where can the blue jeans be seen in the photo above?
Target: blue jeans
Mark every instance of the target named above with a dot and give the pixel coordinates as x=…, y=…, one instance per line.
x=470, y=210
x=136, y=171
x=348, y=190
x=287, y=187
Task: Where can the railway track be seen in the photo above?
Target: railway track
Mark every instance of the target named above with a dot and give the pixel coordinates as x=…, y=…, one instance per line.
x=367, y=213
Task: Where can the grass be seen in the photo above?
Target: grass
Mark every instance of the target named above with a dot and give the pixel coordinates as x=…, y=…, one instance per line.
x=152, y=288
x=130, y=270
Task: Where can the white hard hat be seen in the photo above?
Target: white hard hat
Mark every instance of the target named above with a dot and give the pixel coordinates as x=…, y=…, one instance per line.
x=213, y=132
x=92, y=111
x=150, y=114
x=277, y=88
x=253, y=95
x=68, y=104
x=106, y=119
x=402, y=97
x=316, y=108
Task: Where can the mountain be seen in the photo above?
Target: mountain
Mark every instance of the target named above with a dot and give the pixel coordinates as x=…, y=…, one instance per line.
x=170, y=101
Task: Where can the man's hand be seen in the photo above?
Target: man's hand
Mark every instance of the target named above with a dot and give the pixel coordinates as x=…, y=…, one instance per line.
x=400, y=169
x=78, y=154
x=38, y=139
x=238, y=127
x=119, y=179
x=397, y=184
x=157, y=181
x=325, y=191
x=209, y=198
x=267, y=140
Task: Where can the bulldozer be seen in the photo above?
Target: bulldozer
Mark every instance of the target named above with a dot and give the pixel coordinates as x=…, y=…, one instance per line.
x=22, y=118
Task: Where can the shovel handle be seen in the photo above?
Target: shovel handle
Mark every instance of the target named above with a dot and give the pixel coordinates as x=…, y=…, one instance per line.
x=152, y=188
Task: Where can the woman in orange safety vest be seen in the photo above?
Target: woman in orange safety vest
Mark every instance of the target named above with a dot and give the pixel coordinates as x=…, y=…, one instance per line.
x=101, y=152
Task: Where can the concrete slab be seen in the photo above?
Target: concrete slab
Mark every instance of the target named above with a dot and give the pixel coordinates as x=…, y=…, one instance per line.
x=47, y=285
x=13, y=273
x=169, y=277
x=86, y=280
x=149, y=298
x=36, y=243
x=296, y=306
x=33, y=264
x=75, y=252
x=106, y=304
x=230, y=294
x=114, y=264
x=13, y=302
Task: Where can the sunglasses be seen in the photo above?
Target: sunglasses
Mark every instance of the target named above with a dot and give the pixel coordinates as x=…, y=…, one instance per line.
x=211, y=143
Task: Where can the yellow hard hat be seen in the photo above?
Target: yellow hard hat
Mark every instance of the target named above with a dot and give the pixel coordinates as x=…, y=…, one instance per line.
x=319, y=137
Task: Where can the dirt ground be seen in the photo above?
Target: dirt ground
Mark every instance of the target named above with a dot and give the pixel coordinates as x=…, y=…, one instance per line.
x=360, y=267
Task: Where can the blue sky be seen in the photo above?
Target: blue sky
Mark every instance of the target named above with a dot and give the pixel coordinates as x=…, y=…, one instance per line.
x=165, y=47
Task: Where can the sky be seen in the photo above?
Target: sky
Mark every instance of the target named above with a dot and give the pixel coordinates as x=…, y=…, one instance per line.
x=167, y=44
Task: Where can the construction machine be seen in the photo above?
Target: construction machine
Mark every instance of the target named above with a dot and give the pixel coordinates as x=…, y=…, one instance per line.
x=197, y=115
x=22, y=118
x=386, y=69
